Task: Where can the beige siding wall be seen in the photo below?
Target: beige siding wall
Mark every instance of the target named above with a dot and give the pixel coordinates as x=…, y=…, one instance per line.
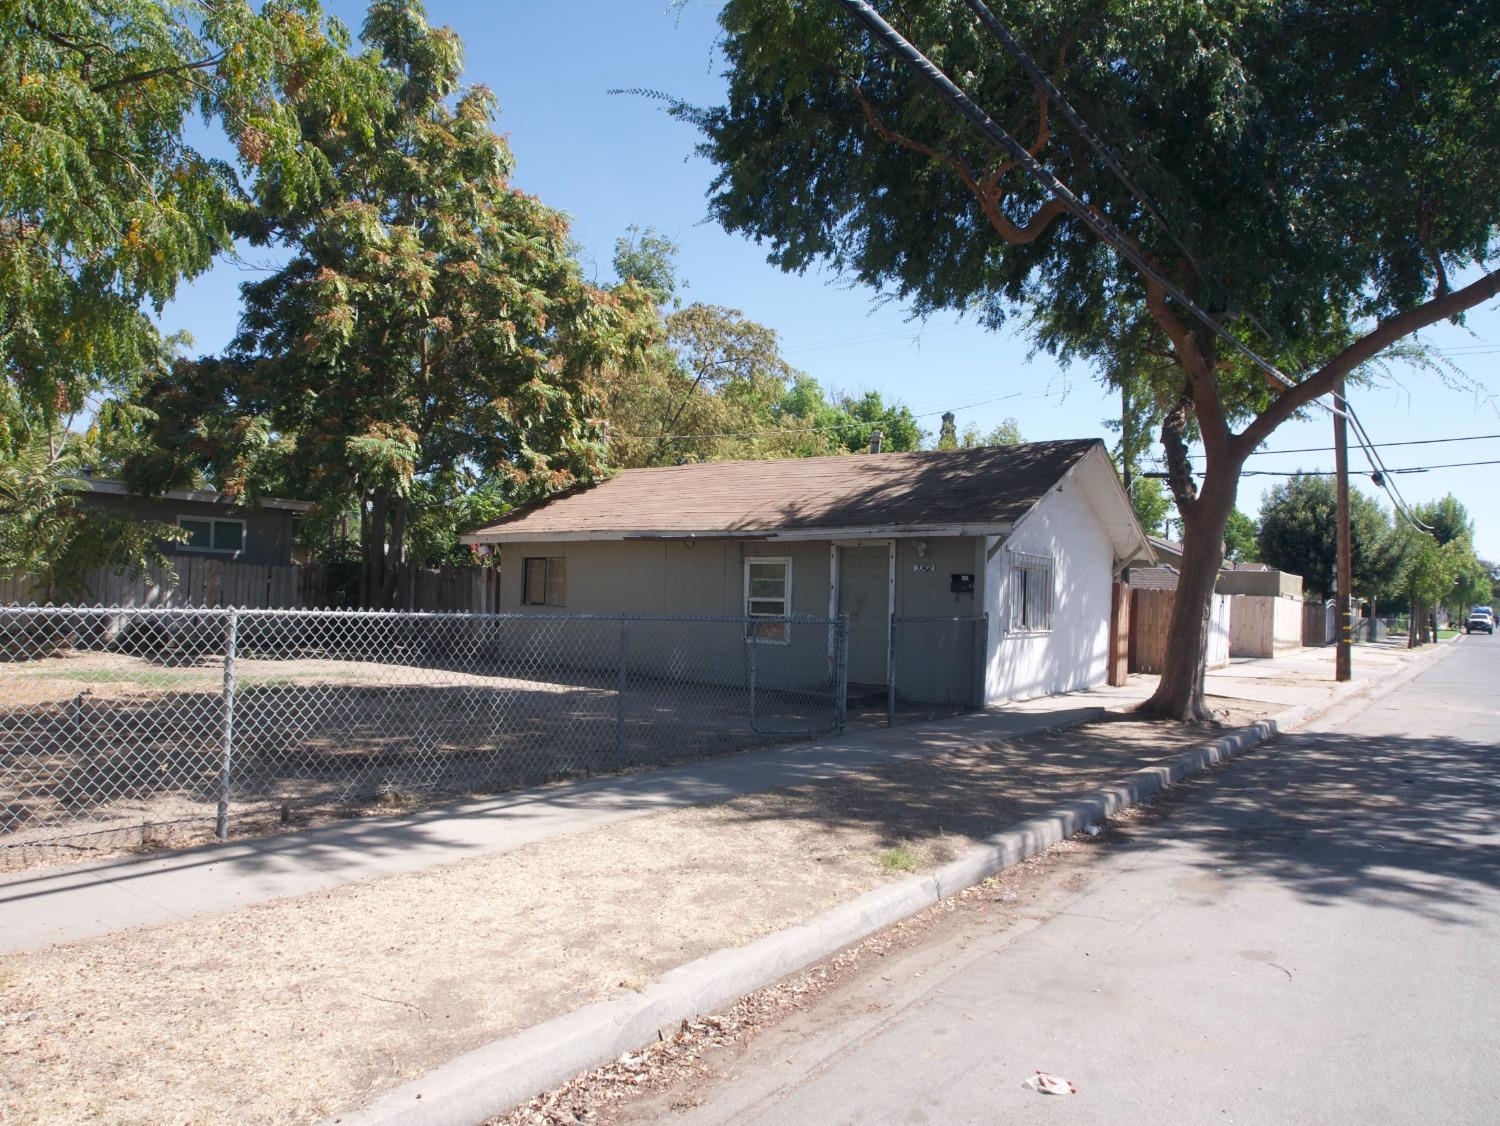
x=699, y=578
x=706, y=578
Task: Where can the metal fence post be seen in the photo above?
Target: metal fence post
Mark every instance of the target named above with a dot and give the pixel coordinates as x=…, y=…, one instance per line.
x=890, y=675
x=226, y=762
x=754, y=658
x=841, y=671
x=620, y=690
x=984, y=659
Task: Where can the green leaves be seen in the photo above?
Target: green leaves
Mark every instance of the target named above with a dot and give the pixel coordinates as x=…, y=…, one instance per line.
x=47, y=534
x=1299, y=529
x=104, y=206
x=430, y=325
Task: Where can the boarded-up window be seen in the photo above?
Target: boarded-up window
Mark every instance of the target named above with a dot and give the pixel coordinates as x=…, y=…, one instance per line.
x=1031, y=593
x=768, y=594
x=545, y=582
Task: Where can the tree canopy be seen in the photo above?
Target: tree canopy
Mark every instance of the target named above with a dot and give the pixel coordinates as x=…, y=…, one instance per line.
x=104, y=204
x=1323, y=171
x=430, y=321
x=716, y=386
x=1299, y=533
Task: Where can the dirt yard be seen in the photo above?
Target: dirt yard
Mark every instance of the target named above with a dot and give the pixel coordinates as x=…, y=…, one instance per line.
x=289, y=1011
x=103, y=752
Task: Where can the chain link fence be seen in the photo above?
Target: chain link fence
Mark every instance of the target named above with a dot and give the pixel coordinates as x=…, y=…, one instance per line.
x=936, y=667
x=155, y=724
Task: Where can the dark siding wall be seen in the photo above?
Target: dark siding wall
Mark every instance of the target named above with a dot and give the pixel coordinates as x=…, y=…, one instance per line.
x=268, y=531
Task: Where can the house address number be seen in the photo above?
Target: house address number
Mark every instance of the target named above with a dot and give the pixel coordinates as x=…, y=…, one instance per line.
x=924, y=568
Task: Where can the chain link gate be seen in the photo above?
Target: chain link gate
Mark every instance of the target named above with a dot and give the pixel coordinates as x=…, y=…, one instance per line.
x=147, y=722
x=936, y=666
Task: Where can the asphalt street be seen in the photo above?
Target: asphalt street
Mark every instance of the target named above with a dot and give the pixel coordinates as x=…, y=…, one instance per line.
x=1309, y=935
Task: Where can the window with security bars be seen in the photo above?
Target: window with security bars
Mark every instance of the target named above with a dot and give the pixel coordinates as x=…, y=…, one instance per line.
x=768, y=594
x=1031, y=593
x=545, y=582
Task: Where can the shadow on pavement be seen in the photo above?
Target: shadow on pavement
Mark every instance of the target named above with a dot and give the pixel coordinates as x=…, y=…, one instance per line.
x=1396, y=821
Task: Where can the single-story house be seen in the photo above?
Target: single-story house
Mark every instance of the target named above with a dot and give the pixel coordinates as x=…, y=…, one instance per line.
x=217, y=528
x=1030, y=535
x=1234, y=578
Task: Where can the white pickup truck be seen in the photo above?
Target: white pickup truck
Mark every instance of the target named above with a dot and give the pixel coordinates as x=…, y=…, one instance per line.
x=1480, y=618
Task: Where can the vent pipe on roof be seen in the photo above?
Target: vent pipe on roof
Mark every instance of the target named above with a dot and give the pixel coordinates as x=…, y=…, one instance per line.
x=876, y=437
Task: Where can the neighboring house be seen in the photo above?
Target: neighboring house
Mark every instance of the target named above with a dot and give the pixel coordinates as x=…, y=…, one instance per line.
x=260, y=532
x=1032, y=535
x=1234, y=578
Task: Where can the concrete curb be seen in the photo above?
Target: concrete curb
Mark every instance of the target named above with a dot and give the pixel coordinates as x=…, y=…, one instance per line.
x=496, y=1077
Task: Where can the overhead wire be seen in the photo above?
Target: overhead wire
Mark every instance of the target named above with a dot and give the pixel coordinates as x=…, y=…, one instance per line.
x=1397, y=471
x=996, y=135
x=1001, y=32
x=1050, y=90
x=991, y=131
x=1386, y=445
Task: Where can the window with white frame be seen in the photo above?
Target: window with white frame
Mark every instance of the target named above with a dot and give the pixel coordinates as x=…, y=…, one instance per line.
x=1031, y=593
x=768, y=594
x=223, y=537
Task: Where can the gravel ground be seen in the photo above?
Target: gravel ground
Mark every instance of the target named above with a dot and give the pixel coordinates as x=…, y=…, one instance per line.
x=287, y=1011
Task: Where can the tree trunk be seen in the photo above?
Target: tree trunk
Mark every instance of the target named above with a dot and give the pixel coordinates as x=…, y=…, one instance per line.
x=372, y=548
x=1179, y=693
x=395, y=549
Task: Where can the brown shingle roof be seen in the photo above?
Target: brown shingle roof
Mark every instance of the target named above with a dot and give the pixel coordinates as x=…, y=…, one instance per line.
x=990, y=486
x=1161, y=577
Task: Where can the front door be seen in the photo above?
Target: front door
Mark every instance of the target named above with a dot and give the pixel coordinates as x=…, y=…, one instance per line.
x=864, y=595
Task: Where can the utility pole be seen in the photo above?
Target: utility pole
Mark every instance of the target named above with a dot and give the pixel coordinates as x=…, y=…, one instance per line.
x=1345, y=570
x=1127, y=453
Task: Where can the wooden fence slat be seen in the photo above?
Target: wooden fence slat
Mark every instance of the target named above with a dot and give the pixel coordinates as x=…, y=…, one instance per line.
x=202, y=581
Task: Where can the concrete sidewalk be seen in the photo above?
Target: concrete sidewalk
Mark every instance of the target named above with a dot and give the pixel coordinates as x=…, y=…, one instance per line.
x=47, y=906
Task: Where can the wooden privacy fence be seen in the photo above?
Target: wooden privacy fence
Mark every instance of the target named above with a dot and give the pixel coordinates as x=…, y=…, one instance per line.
x=1262, y=626
x=452, y=589
x=201, y=581
x=1151, y=617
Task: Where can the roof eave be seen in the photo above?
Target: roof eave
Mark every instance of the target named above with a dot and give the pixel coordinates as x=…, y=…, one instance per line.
x=782, y=535
x=105, y=487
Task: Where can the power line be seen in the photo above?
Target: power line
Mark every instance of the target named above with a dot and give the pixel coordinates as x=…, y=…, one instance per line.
x=992, y=132
x=1398, y=471
x=1038, y=76
x=1380, y=474
x=1384, y=445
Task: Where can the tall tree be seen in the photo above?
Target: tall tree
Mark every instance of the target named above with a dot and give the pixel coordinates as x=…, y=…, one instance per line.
x=431, y=316
x=1239, y=538
x=105, y=206
x=948, y=432
x=1298, y=533
x=1325, y=172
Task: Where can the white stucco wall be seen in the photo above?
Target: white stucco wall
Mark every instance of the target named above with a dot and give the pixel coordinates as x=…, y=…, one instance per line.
x=1075, y=654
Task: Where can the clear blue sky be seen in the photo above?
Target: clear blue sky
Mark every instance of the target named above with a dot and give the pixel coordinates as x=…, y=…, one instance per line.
x=613, y=161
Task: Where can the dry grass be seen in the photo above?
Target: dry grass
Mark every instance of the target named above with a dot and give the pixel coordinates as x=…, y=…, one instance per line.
x=290, y=1010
